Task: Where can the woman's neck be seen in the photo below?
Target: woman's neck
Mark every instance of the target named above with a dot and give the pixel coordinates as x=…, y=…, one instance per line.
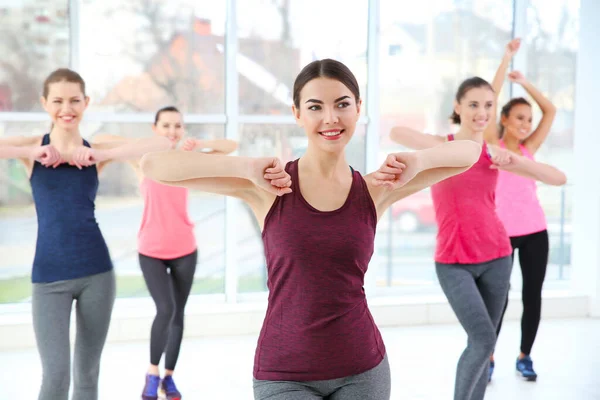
x=65, y=140
x=467, y=134
x=511, y=143
x=324, y=164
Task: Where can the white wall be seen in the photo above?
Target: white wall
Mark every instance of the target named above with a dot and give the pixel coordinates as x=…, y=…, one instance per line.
x=586, y=201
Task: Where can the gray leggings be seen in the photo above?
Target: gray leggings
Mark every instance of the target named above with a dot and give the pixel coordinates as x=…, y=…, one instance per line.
x=51, y=306
x=476, y=293
x=374, y=384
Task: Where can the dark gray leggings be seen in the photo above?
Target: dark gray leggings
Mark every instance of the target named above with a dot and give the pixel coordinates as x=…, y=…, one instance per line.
x=374, y=384
x=51, y=306
x=477, y=293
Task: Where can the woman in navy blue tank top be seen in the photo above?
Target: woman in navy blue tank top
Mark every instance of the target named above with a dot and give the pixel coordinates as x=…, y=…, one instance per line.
x=318, y=218
x=72, y=261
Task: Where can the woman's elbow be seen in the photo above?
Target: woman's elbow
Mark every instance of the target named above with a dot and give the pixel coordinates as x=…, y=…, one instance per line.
x=550, y=110
x=556, y=178
x=561, y=179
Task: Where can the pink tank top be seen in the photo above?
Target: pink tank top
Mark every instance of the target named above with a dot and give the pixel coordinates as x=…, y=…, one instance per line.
x=166, y=231
x=517, y=203
x=469, y=230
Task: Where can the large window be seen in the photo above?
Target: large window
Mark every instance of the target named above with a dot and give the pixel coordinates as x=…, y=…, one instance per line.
x=550, y=55
x=279, y=37
x=425, y=52
x=139, y=55
x=163, y=53
x=551, y=44
x=35, y=39
x=18, y=225
x=118, y=211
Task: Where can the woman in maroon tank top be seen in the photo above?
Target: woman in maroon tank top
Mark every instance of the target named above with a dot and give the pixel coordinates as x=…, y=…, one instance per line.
x=318, y=219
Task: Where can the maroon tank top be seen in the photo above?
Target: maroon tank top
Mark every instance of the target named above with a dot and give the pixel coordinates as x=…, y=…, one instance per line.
x=318, y=325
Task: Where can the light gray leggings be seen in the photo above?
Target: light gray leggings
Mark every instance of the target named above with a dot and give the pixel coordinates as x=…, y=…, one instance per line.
x=476, y=293
x=51, y=304
x=374, y=384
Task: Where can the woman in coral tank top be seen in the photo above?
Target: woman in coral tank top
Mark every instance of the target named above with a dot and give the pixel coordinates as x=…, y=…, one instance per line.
x=318, y=218
x=168, y=253
x=519, y=208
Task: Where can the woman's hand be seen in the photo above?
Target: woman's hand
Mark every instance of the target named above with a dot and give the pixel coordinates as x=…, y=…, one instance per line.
x=46, y=155
x=269, y=174
x=85, y=156
x=513, y=47
x=517, y=77
x=397, y=170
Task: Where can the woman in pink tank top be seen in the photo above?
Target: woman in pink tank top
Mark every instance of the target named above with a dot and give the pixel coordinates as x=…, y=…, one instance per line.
x=168, y=253
x=472, y=255
x=318, y=219
x=519, y=209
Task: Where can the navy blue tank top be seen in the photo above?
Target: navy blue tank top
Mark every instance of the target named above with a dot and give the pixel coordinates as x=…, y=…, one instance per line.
x=69, y=242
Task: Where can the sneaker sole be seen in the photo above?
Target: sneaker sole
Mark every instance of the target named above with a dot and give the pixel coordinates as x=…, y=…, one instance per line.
x=526, y=378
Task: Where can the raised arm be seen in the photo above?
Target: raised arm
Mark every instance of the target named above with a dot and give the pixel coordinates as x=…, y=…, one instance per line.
x=406, y=173
x=491, y=134
x=257, y=181
x=511, y=49
x=414, y=139
x=539, y=135
x=538, y=171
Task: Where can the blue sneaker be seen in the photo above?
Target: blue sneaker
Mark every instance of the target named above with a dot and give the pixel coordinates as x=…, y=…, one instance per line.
x=491, y=371
x=151, y=389
x=168, y=386
x=525, y=369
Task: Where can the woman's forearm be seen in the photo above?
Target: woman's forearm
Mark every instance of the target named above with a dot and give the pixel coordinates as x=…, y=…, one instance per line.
x=414, y=139
x=135, y=149
x=11, y=152
x=501, y=74
x=458, y=153
x=177, y=165
x=541, y=172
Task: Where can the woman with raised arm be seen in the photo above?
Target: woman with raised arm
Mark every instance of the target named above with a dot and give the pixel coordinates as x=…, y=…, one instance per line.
x=168, y=252
x=519, y=208
x=318, y=217
x=472, y=254
x=72, y=261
